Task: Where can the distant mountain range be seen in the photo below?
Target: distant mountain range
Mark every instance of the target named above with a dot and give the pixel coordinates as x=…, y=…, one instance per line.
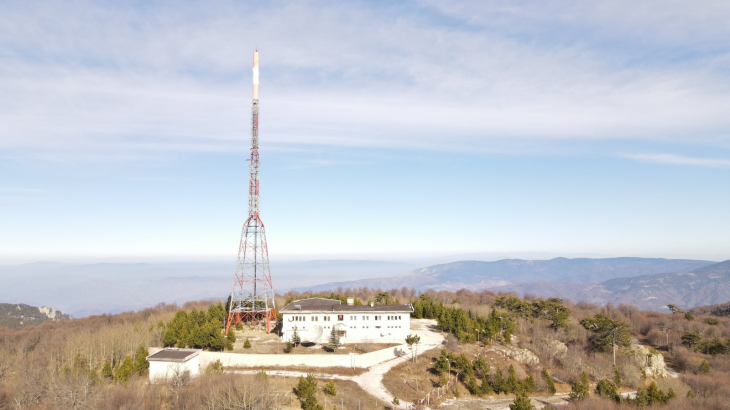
x=14, y=315
x=647, y=283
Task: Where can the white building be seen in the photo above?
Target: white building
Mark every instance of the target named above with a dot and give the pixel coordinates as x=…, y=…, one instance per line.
x=315, y=318
x=172, y=363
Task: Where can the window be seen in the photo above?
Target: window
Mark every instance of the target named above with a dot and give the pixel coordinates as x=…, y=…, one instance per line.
x=340, y=317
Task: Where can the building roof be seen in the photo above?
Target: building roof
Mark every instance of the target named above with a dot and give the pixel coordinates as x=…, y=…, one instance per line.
x=321, y=305
x=174, y=355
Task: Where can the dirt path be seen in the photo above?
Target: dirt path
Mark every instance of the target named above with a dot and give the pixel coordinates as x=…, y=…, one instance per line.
x=372, y=380
x=502, y=403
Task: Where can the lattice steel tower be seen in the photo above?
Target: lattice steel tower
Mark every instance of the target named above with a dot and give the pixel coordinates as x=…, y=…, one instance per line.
x=252, y=298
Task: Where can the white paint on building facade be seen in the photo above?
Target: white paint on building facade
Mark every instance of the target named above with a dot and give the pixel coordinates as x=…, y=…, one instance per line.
x=315, y=318
x=171, y=363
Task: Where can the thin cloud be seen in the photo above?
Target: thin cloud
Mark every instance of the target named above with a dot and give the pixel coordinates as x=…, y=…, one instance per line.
x=674, y=159
x=79, y=79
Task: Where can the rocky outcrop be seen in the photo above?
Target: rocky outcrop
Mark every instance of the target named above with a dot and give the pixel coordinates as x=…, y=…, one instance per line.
x=651, y=362
x=523, y=356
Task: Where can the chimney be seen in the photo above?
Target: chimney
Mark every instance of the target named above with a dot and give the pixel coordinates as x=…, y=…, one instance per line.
x=350, y=301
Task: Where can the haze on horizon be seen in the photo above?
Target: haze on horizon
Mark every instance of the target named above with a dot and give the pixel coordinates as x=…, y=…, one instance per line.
x=388, y=131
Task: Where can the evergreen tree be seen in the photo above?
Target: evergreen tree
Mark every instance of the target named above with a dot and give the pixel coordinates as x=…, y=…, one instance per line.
x=610, y=333
x=652, y=395
x=498, y=382
x=486, y=388
x=691, y=339
x=106, y=370
x=580, y=389
x=246, y=344
x=125, y=369
x=522, y=401
x=295, y=339
x=230, y=339
x=512, y=381
x=306, y=391
x=330, y=389
x=616, y=377
x=334, y=341
x=704, y=367
x=528, y=384
x=140, y=360
x=442, y=363
x=606, y=389
x=548, y=381
x=413, y=341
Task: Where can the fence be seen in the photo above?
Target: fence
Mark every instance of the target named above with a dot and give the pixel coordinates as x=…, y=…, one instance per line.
x=435, y=395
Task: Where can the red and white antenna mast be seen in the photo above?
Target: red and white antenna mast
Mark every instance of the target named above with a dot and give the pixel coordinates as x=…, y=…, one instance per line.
x=252, y=298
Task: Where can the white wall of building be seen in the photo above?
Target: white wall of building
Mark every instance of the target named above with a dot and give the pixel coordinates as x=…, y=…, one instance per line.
x=363, y=361
x=359, y=327
x=162, y=370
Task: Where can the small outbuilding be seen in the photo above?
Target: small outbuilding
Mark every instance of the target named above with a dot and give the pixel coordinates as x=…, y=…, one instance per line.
x=170, y=363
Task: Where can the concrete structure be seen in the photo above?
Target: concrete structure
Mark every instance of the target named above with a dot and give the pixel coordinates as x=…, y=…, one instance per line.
x=315, y=318
x=170, y=363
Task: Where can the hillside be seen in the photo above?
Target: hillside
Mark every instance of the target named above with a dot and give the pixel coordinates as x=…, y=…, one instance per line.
x=649, y=284
x=477, y=275
x=14, y=316
x=721, y=309
x=703, y=286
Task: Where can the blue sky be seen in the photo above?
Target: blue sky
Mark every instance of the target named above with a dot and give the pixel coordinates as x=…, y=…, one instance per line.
x=387, y=129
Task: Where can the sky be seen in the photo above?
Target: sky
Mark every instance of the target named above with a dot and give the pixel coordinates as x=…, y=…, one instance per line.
x=388, y=129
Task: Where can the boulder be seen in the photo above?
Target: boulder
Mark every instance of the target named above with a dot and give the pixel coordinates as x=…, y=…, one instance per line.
x=652, y=363
x=523, y=356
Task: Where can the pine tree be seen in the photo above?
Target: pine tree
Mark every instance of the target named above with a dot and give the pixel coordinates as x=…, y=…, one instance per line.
x=295, y=339
x=413, y=341
x=498, y=383
x=705, y=367
x=334, y=341
x=606, y=389
x=230, y=339
x=580, y=389
x=549, y=381
x=124, y=370
x=616, y=377
x=610, y=333
x=306, y=391
x=528, y=384
x=522, y=401
x=512, y=381
x=246, y=344
x=106, y=370
x=331, y=389
x=140, y=361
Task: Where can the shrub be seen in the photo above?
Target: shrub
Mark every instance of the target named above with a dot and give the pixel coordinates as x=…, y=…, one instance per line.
x=580, y=389
x=330, y=389
x=247, y=344
x=606, y=389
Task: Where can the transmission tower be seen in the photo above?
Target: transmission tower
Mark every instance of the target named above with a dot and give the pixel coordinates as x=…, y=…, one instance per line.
x=252, y=298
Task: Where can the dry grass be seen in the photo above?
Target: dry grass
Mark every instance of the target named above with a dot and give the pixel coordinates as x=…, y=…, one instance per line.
x=345, y=371
x=349, y=394
x=269, y=343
